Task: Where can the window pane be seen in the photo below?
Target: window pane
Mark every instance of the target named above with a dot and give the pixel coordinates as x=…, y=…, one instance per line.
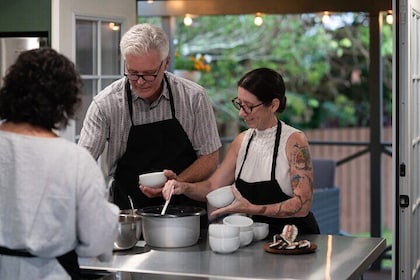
x=86, y=47
x=110, y=56
x=89, y=91
x=107, y=82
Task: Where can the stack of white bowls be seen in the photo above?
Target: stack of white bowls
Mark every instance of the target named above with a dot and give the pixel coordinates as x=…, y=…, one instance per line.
x=260, y=231
x=224, y=238
x=246, y=234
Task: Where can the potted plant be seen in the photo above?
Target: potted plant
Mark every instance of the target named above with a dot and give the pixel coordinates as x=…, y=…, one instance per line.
x=191, y=67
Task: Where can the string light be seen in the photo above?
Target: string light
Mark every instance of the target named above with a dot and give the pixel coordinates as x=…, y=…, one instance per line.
x=326, y=17
x=258, y=20
x=188, y=20
x=114, y=26
x=389, y=17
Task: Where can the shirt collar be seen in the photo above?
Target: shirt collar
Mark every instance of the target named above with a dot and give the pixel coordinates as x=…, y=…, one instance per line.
x=164, y=94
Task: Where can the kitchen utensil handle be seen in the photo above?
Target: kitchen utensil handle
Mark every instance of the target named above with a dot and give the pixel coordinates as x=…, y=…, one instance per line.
x=167, y=201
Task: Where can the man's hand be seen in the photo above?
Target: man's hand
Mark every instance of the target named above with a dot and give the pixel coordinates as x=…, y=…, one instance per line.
x=156, y=192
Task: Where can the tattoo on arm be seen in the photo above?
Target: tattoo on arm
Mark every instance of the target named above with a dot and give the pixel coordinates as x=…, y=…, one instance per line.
x=296, y=180
x=301, y=158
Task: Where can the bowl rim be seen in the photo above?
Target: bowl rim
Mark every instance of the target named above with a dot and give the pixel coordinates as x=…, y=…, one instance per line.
x=184, y=211
x=216, y=191
x=248, y=219
x=151, y=174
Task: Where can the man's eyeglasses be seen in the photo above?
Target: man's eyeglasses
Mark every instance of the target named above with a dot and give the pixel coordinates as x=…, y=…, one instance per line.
x=247, y=108
x=146, y=77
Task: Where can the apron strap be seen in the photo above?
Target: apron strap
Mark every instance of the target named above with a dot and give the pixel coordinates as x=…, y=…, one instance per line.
x=16, y=253
x=130, y=99
x=171, y=99
x=276, y=151
x=246, y=153
x=68, y=261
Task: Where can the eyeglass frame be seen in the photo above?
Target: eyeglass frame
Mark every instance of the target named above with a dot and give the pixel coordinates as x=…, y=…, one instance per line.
x=143, y=75
x=247, y=109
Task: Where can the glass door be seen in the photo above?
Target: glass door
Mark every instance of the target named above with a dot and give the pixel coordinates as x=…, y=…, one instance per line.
x=406, y=260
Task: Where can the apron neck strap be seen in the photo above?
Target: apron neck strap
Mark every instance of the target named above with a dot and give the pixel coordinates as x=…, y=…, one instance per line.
x=130, y=98
x=171, y=98
x=275, y=152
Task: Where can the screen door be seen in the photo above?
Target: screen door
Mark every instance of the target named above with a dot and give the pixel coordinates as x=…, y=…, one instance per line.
x=406, y=261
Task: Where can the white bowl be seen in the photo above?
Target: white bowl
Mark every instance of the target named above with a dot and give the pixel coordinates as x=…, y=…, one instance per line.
x=224, y=245
x=220, y=197
x=223, y=231
x=153, y=180
x=244, y=223
x=260, y=231
x=245, y=237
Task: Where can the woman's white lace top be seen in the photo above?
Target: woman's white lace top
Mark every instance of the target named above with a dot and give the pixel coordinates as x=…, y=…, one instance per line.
x=259, y=160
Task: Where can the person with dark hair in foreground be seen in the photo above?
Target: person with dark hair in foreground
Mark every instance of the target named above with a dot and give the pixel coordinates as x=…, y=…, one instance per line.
x=53, y=196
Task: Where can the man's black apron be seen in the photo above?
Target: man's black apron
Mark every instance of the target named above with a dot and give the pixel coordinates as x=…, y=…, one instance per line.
x=269, y=192
x=68, y=261
x=153, y=147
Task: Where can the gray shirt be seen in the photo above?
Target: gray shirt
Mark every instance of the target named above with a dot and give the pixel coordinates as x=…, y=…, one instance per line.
x=52, y=200
x=107, y=122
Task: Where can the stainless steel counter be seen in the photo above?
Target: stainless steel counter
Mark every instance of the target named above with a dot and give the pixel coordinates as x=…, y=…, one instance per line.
x=337, y=257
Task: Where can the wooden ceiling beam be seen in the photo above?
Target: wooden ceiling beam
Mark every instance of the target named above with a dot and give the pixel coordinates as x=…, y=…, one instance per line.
x=226, y=7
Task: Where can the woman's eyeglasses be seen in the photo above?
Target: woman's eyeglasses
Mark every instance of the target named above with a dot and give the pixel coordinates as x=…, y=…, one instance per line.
x=247, y=108
x=146, y=77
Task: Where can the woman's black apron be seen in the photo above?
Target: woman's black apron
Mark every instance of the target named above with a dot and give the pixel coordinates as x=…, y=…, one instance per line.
x=68, y=261
x=153, y=147
x=269, y=192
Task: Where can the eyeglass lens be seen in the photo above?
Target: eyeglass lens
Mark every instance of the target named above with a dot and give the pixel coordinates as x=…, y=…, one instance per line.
x=145, y=77
x=135, y=77
x=247, y=109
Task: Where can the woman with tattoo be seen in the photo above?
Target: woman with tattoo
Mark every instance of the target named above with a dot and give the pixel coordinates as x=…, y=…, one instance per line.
x=269, y=165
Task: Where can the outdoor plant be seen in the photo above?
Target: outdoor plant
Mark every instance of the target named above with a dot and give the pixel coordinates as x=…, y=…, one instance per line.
x=192, y=63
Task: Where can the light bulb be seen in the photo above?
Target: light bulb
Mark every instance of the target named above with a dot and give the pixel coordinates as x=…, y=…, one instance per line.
x=258, y=19
x=188, y=20
x=114, y=26
x=326, y=17
x=389, y=17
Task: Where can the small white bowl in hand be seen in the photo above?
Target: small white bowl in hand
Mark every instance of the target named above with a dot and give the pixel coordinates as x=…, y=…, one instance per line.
x=220, y=197
x=260, y=231
x=153, y=180
x=223, y=231
x=224, y=245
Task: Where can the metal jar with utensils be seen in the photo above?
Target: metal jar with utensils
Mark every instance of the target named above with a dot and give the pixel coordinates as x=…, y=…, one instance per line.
x=129, y=230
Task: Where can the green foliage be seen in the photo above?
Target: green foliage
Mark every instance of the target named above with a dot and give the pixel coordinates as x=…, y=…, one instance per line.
x=339, y=113
x=300, y=110
x=325, y=69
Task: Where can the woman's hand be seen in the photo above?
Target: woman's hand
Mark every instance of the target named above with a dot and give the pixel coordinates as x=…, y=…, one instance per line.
x=178, y=188
x=156, y=192
x=239, y=205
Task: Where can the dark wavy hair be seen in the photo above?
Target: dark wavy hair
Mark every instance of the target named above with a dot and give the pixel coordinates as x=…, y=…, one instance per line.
x=266, y=84
x=41, y=88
